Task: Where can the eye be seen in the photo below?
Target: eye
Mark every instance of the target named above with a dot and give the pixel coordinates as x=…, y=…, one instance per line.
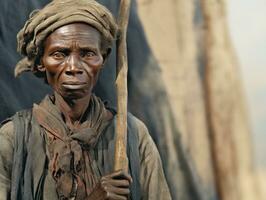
x=58, y=55
x=88, y=54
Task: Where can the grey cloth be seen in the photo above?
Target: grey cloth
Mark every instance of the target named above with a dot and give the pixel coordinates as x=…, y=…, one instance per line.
x=151, y=177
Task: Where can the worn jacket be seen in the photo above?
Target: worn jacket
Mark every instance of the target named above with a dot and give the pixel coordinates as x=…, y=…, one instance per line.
x=23, y=160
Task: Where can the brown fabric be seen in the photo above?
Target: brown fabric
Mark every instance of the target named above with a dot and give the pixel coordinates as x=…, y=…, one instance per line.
x=70, y=162
x=54, y=15
x=152, y=180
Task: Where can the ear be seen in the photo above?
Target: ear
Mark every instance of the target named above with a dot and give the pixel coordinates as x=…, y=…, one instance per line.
x=41, y=68
x=106, y=54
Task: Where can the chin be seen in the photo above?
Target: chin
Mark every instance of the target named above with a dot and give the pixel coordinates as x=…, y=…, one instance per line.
x=74, y=94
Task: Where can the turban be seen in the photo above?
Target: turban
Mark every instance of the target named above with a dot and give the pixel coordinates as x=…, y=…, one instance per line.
x=58, y=13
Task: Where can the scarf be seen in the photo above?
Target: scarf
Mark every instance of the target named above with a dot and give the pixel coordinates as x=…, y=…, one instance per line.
x=70, y=163
x=56, y=14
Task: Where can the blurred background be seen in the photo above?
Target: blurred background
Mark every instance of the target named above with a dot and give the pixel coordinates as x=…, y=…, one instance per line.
x=248, y=32
x=208, y=35
x=196, y=78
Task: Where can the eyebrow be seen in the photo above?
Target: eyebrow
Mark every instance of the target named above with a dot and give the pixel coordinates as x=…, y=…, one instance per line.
x=64, y=47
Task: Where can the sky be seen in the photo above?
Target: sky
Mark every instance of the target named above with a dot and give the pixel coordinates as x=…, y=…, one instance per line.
x=247, y=25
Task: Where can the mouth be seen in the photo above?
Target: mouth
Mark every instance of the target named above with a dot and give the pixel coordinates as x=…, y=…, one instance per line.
x=74, y=85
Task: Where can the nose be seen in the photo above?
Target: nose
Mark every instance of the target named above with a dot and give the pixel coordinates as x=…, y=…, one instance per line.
x=74, y=65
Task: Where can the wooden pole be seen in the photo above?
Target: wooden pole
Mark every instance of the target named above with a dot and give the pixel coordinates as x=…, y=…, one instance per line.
x=121, y=160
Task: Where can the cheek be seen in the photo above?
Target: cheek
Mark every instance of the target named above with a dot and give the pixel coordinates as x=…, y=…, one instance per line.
x=52, y=69
x=95, y=65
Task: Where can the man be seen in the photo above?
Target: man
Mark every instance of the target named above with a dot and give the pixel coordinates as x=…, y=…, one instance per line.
x=63, y=148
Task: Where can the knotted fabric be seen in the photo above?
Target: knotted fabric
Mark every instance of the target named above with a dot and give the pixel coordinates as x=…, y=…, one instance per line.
x=58, y=13
x=68, y=150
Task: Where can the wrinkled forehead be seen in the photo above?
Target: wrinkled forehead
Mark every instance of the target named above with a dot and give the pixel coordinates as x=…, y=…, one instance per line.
x=79, y=32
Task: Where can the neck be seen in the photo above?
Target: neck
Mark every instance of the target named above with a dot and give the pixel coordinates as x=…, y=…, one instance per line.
x=73, y=109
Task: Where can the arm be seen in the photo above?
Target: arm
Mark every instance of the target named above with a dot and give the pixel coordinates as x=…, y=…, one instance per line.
x=6, y=159
x=152, y=179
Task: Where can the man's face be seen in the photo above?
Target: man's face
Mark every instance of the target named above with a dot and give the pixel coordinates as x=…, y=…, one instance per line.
x=72, y=60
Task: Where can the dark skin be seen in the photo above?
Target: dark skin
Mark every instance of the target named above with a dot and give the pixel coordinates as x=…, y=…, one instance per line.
x=72, y=61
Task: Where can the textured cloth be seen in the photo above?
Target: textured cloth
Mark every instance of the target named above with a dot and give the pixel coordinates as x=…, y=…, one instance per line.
x=70, y=163
x=58, y=13
x=152, y=181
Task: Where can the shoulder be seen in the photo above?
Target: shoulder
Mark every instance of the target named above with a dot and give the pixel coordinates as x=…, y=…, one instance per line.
x=146, y=143
x=7, y=141
x=138, y=125
x=8, y=126
x=7, y=132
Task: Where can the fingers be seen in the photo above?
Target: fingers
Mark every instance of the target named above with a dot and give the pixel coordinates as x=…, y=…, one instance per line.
x=118, y=191
x=113, y=196
x=114, y=186
x=115, y=193
x=112, y=192
x=120, y=174
x=115, y=182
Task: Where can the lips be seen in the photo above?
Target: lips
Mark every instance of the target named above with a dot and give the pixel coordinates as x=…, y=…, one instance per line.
x=74, y=85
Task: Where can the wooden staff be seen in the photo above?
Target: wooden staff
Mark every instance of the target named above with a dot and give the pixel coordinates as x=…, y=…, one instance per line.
x=121, y=160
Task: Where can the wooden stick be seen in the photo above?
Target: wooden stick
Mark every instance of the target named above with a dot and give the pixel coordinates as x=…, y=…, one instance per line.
x=121, y=160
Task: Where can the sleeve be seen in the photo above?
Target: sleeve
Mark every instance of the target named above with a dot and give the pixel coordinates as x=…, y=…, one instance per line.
x=152, y=179
x=6, y=159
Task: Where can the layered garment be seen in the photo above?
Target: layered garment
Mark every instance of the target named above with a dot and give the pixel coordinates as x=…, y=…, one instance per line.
x=41, y=158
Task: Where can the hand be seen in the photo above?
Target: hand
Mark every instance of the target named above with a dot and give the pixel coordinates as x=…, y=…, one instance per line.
x=114, y=186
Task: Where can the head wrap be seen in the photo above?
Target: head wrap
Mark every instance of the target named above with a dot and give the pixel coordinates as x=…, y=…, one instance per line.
x=58, y=13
